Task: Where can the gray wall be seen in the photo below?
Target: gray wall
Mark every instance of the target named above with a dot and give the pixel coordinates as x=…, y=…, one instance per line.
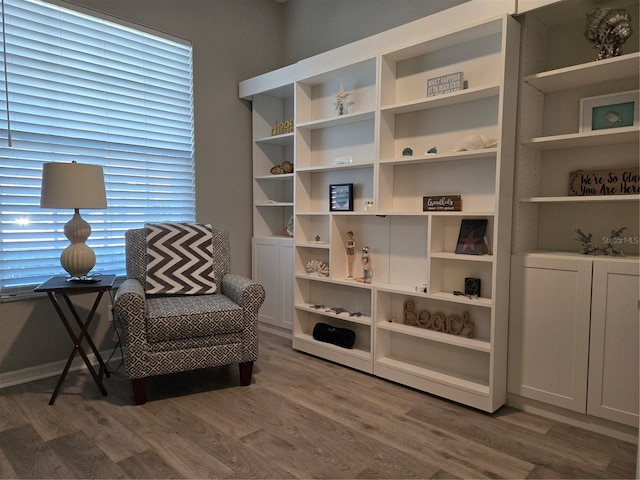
x=316, y=26
x=233, y=40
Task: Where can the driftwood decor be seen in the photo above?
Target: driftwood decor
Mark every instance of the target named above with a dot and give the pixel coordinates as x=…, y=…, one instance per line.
x=453, y=323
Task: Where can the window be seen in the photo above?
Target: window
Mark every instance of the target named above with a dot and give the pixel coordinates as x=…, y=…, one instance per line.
x=77, y=87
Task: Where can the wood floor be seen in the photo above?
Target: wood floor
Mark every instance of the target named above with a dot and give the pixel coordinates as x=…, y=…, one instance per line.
x=302, y=417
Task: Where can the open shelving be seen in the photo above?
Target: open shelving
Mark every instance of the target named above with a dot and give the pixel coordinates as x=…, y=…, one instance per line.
x=563, y=304
x=408, y=246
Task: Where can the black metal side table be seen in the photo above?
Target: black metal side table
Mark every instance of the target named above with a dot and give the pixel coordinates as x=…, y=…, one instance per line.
x=60, y=286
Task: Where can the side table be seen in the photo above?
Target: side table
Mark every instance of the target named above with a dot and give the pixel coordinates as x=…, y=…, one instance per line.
x=60, y=286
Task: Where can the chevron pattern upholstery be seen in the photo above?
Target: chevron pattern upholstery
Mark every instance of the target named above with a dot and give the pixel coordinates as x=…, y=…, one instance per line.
x=174, y=333
x=179, y=259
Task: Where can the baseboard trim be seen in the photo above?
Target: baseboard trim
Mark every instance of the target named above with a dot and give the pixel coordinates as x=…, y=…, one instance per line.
x=281, y=332
x=588, y=422
x=53, y=369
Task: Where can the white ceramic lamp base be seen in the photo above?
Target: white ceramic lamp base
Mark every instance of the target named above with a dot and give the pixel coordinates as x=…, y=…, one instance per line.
x=77, y=259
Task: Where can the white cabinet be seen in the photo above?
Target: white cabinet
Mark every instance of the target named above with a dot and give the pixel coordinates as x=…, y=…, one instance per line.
x=573, y=338
x=408, y=246
x=614, y=347
x=573, y=328
x=273, y=268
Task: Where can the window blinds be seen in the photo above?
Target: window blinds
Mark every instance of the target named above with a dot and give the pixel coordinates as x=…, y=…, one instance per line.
x=75, y=87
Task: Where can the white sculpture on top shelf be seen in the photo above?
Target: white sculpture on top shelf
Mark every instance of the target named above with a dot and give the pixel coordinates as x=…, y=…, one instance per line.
x=341, y=103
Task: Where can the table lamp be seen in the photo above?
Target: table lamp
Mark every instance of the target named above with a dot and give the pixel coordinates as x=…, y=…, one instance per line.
x=74, y=186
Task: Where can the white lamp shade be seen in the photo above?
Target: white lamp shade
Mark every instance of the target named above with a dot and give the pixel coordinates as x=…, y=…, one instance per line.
x=75, y=186
x=72, y=185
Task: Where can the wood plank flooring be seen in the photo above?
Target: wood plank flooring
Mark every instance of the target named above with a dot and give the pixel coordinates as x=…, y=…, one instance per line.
x=302, y=417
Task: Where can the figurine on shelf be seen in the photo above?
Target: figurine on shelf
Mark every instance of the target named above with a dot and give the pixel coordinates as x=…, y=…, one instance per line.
x=341, y=103
x=608, y=249
x=367, y=271
x=351, y=253
x=608, y=29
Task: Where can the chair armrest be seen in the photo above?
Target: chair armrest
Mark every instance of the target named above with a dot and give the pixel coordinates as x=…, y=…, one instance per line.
x=243, y=291
x=130, y=305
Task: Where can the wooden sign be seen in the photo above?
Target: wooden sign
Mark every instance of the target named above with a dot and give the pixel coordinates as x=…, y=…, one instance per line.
x=445, y=84
x=282, y=127
x=613, y=181
x=451, y=203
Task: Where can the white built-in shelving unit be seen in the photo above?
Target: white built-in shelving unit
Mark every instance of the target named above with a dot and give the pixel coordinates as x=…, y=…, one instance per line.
x=574, y=318
x=409, y=247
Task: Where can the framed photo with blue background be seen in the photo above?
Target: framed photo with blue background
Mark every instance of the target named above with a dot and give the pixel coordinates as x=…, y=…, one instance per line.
x=609, y=111
x=341, y=197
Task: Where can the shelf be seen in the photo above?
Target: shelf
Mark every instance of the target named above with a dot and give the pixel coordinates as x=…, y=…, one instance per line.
x=463, y=342
x=354, y=358
x=440, y=157
x=331, y=168
x=456, y=381
x=585, y=139
x=363, y=320
x=276, y=178
x=351, y=283
x=450, y=297
x=586, y=74
x=282, y=139
x=274, y=204
x=322, y=245
x=337, y=121
x=556, y=255
x=461, y=36
x=462, y=257
x=454, y=98
x=582, y=199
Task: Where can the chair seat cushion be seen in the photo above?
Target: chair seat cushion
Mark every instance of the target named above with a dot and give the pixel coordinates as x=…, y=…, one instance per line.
x=178, y=317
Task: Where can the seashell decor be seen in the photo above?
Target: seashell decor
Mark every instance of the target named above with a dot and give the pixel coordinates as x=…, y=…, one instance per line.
x=608, y=29
x=317, y=268
x=476, y=142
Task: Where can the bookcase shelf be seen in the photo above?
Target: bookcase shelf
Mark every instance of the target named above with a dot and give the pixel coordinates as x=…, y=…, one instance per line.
x=409, y=247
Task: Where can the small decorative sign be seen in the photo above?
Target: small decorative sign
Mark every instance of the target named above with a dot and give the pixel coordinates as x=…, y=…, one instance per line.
x=451, y=203
x=282, y=127
x=613, y=181
x=451, y=82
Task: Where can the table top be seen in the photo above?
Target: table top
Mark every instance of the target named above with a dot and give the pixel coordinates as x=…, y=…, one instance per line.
x=62, y=283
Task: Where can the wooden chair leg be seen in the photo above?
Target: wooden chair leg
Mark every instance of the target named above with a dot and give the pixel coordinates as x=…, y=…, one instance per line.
x=246, y=369
x=139, y=390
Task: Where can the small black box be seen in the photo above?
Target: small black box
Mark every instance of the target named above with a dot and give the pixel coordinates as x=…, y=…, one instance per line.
x=472, y=286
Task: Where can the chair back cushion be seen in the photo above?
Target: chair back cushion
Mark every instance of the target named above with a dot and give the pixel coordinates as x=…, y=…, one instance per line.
x=136, y=254
x=179, y=259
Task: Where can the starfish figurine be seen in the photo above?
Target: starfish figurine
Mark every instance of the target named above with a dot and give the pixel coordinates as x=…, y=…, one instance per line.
x=341, y=102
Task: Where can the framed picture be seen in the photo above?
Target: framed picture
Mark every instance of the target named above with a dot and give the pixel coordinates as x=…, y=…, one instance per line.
x=609, y=111
x=471, y=239
x=341, y=197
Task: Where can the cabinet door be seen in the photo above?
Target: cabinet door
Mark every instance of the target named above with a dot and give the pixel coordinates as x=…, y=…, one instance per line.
x=613, y=367
x=549, y=330
x=266, y=271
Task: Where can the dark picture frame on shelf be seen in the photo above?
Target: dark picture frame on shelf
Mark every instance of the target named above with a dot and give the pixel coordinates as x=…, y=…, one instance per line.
x=341, y=197
x=609, y=111
x=472, y=237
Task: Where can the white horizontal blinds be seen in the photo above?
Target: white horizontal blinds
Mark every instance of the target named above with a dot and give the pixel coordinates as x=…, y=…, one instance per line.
x=90, y=90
